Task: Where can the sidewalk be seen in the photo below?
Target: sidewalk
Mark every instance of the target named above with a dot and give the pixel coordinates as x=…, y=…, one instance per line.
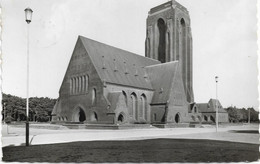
x=45, y=136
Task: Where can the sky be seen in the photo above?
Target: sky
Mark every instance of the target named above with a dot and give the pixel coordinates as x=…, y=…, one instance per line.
x=224, y=43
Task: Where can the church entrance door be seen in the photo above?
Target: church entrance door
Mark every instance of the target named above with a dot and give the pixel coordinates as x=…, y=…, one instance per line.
x=82, y=116
x=79, y=115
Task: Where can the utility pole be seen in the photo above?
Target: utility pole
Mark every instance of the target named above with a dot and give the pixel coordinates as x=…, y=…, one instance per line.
x=216, y=79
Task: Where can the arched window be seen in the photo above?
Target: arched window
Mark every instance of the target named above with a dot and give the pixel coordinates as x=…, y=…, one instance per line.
x=78, y=88
x=80, y=82
x=162, y=46
x=169, y=46
x=178, y=41
x=143, y=107
x=71, y=85
x=76, y=85
x=86, y=83
x=183, y=52
x=94, y=95
x=83, y=83
x=205, y=118
x=148, y=47
x=125, y=97
x=133, y=104
x=212, y=119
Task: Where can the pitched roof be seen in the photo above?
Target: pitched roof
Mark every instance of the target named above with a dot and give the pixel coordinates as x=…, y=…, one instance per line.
x=118, y=66
x=210, y=106
x=161, y=77
x=204, y=107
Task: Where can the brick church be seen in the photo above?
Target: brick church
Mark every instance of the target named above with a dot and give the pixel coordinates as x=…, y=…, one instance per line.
x=107, y=85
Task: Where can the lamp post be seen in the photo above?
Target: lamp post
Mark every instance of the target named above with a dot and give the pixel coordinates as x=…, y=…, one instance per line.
x=249, y=115
x=28, y=19
x=216, y=79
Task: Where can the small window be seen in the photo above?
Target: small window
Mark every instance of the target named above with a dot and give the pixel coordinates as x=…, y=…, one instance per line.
x=94, y=95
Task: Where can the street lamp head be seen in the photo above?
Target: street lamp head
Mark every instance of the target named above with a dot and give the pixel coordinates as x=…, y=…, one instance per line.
x=216, y=79
x=28, y=15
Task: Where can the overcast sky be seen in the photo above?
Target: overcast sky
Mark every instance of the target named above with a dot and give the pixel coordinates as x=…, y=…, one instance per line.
x=224, y=42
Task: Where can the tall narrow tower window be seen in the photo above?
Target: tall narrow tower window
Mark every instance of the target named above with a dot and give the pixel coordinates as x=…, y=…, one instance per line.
x=184, y=54
x=148, y=47
x=162, y=46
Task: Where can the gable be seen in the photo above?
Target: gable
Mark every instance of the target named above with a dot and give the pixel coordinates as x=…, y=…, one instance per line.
x=80, y=66
x=210, y=106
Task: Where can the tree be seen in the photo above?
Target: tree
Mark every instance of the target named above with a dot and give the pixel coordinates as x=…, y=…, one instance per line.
x=39, y=108
x=241, y=115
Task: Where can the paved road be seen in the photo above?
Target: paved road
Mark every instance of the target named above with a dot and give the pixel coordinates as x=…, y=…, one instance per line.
x=40, y=135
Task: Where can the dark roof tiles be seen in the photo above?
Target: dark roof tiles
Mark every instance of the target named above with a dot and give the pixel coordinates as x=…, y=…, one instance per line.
x=161, y=77
x=210, y=106
x=118, y=66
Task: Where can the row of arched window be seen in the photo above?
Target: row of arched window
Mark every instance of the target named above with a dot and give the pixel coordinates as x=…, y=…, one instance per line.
x=209, y=118
x=137, y=106
x=79, y=84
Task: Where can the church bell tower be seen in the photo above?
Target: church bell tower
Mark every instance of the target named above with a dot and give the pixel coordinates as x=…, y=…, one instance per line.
x=169, y=38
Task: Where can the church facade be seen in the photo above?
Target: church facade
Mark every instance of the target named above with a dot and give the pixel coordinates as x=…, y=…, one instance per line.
x=107, y=85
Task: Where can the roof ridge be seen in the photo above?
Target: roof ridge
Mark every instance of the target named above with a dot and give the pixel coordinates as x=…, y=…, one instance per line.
x=160, y=64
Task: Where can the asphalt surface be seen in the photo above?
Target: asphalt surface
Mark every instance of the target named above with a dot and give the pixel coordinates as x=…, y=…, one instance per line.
x=13, y=135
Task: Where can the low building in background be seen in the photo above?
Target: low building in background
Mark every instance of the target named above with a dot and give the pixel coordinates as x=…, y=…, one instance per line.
x=208, y=111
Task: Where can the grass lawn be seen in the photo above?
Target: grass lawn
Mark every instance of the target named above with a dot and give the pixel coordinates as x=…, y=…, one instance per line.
x=152, y=150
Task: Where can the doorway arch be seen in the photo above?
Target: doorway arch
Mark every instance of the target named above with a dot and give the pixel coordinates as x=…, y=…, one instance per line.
x=212, y=118
x=93, y=117
x=177, y=118
x=120, y=118
x=79, y=115
x=205, y=118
